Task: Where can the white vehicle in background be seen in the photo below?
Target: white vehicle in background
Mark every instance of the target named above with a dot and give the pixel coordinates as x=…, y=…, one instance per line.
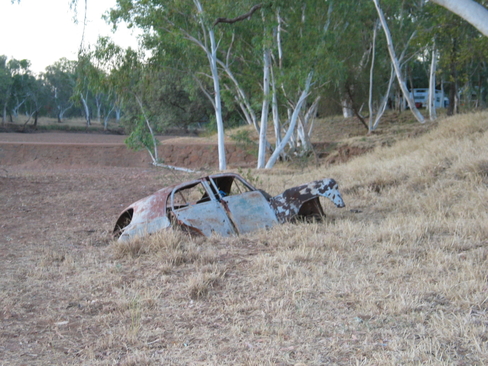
x=421, y=98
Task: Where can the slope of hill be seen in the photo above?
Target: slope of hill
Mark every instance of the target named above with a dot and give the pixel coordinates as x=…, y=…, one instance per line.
x=396, y=277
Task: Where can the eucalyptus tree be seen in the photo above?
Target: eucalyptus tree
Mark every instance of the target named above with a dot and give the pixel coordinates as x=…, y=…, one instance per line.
x=61, y=77
x=131, y=79
x=37, y=97
x=173, y=32
x=83, y=89
x=147, y=95
x=396, y=64
x=462, y=54
x=5, y=86
x=20, y=85
x=274, y=57
x=300, y=66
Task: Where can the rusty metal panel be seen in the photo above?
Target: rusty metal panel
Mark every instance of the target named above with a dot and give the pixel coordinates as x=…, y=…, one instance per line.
x=288, y=204
x=143, y=217
x=206, y=218
x=249, y=211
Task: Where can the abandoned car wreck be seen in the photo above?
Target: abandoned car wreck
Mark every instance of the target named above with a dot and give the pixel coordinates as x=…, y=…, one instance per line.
x=225, y=204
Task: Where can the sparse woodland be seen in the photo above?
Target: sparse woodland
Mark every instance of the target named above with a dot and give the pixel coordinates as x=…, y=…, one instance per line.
x=272, y=65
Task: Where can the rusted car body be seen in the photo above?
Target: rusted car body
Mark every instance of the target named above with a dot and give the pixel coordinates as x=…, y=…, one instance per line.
x=225, y=204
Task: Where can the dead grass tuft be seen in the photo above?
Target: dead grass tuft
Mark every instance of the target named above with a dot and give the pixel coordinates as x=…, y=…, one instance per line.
x=200, y=284
x=132, y=248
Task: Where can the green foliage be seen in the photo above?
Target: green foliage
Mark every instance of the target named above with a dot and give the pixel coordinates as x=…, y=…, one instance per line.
x=331, y=38
x=139, y=137
x=243, y=140
x=251, y=177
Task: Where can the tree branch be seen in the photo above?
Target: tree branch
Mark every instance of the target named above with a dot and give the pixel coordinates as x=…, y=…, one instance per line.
x=239, y=18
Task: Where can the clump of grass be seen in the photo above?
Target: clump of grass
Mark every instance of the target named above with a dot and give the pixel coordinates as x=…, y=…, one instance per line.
x=172, y=247
x=131, y=248
x=200, y=284
x=52, y=258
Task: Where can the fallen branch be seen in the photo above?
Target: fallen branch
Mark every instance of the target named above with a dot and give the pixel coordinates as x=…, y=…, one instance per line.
x=173, y=167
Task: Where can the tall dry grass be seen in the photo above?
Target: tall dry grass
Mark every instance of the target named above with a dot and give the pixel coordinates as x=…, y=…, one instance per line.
x=404, y=281
x=399, y=280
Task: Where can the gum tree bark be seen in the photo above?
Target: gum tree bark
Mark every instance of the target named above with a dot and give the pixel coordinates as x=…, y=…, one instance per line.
x=265, y=109
x=469, y=10
x=432, y=97
x=212, y=58
x=371, y=74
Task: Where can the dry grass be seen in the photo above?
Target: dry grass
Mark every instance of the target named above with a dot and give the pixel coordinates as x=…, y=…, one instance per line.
x=402, y=282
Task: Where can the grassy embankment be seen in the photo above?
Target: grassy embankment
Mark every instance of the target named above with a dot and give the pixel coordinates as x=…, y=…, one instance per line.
x=403, y=281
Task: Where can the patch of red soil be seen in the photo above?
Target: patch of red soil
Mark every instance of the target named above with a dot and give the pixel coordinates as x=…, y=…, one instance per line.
x=78, y=149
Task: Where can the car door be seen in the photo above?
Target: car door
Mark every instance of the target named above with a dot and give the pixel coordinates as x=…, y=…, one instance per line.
x=248, y=208
x=195, y=207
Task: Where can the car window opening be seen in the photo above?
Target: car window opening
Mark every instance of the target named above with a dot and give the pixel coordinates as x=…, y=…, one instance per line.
x=123, y=221
x=189, y=195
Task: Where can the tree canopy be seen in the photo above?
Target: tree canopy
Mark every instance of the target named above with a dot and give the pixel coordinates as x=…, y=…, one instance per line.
x=222, y=63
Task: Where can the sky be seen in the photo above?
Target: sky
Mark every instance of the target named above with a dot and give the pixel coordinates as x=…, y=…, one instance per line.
x=43, y=31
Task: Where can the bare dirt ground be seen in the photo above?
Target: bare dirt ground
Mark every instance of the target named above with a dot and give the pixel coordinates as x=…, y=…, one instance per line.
x=90, y=149
x=48, y=213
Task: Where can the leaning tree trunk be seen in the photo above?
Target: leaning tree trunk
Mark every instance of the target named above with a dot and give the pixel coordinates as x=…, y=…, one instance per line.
x=396, y=65
x=293, y=121
x=87, y=110
x=384, y=102
x=469, y=10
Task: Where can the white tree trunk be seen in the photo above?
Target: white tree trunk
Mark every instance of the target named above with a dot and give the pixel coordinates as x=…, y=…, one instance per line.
x=274, y=108
x=469, y=10
x=87, y=110
x=431, y=105
x=346, y=108
x=15, y=109
x=212, y=58
x=118, y=113
x=62, y=111
x=305, y=127
x=384, y=102
x=98, y=103
x=241, y=97
x=218, y=104
x=154, y=153
x=107, y=117
x=396, y=65
x=293, y=121
x=278, y=39
x=371, y=74
x=264, y=109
